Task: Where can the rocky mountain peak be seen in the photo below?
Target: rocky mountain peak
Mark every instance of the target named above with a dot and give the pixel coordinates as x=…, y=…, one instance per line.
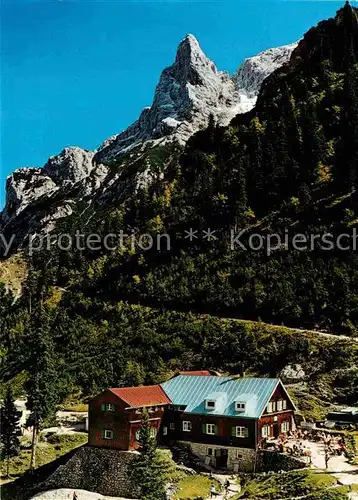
x=28, y=185
x=191, y=63
x=71, y=165
x=188, y=92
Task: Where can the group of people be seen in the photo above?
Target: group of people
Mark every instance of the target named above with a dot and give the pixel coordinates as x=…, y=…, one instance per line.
x=295, y=443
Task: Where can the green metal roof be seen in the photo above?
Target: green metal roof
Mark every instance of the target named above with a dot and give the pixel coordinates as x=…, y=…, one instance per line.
x=192, y=392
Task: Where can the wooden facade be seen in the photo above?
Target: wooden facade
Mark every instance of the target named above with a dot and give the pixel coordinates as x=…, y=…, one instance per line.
x=123, y=421
x=225, y=429
x=281, y=417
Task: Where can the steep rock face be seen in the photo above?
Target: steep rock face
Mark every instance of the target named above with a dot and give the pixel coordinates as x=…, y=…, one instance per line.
x=71, y=165
x=28, y=185
x=255, y=69
x=23, y=187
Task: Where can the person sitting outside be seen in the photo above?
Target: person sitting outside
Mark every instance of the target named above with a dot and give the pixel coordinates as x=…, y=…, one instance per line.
x=213, y=491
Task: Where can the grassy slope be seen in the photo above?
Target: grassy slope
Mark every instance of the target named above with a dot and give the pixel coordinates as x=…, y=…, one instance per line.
x=289, y=485
x=47, y=452
x=13, y=273
x=192, y=487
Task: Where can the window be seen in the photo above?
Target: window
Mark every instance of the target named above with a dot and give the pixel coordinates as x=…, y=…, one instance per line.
x=210, y=452
x=211, y=429
x=179, y=408
x=238, y=455
x=172, y=426
x=165, y=431
x=137, y=436
x=284, y=404
x=186, y=426
x=279, y=405
x=240, y=406
x=138, y=411
x=271, y=407
x=241, y=432
x=108, y=434
x=153, y=432
x=210, y=404
x=108, y=407
x=285, y=426
x=265, y=431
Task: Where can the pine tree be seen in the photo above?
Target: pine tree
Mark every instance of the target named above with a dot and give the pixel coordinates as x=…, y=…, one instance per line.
x=9, y=427
x=41, y=387
x=147, y=470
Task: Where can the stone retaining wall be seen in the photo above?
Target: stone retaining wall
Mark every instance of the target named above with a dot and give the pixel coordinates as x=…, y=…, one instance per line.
x=95, y=469
x=275, y=461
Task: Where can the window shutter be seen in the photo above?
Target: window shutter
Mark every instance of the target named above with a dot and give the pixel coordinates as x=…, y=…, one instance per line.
x=216, y=430
x=246, y=432
x=203, y=428
x=233, y=432
x=103, y=407
x=102, y=434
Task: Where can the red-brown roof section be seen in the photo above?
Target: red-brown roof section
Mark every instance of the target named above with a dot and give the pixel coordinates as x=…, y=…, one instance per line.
x=149, y=395
x=198, y=373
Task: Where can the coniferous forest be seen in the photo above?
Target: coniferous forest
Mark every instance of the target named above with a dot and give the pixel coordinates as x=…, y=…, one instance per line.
x=129, y=316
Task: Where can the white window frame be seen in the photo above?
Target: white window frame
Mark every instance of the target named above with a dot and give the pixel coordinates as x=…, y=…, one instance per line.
x=137, y=436
x=172, y=426
x=265, y=431
x=238, y=455
x=211, y=450
x=279, y=405
x=210, y=429
x=153, y=432
x=165, y=430
x=108, y=434
x=284, y=404
x=240, y=431
x=240, y=406
x=210, y=402
x=271, y=407
x=187, y=426
x=285, y=426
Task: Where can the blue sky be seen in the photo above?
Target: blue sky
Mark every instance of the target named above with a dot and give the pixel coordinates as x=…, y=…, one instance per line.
x=76, y=72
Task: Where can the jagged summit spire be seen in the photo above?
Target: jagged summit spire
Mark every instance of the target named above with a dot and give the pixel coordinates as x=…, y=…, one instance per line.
x=191, y=61
x=189, y=44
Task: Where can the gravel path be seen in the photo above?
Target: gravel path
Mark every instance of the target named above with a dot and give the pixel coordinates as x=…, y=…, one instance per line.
x=338, y=466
